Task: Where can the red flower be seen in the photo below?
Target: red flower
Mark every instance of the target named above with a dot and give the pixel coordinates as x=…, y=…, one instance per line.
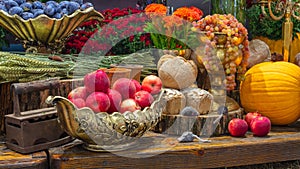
x=138, y=29
x=123, y=28
x=107, y=11
x=148, y=42
x=142, y=38
x=125, y=34
x=131, y=38
x=83, y=38
x=107, y=20
x=130, y=28
x=134, y=11
x=115, y=10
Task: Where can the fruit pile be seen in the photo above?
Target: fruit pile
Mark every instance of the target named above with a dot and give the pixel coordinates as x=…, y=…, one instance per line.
x=258, y=124
x=123, y=95
x=230, y=39
x=52, y=9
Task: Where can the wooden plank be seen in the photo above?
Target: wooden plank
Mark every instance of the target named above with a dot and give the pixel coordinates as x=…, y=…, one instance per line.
x=12, y=160
x=6, y=105
x=282, y=144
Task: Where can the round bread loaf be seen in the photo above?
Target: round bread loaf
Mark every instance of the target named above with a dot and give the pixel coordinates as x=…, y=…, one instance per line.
x=199, y=99
x=177, y=72
x=175, y=101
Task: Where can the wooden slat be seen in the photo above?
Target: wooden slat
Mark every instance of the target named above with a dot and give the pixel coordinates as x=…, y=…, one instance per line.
x=282, y=144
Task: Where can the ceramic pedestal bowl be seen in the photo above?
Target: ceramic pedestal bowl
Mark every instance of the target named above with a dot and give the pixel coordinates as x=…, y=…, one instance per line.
x=103, y=131
x=43, y=32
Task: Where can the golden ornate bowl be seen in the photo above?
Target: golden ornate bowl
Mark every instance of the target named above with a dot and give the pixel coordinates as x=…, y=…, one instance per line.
x=103, y=131
x=46, y=32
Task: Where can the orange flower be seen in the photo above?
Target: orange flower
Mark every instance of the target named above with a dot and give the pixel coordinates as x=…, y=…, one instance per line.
x=199, y=11
x=156, y=8
x=172, y=21
x=190, y=14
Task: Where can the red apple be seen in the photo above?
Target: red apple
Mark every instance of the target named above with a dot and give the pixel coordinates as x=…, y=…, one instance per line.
x=78, y=102
x=138, y=86
x=129, y=105
x=152, y=84
x=96, y=81
x=79, y=92
x=237, y=127
x=143, y=98
x=115, y=99
x=98, y=102
x=250, y=116
x=260, y=126
x=125, y=87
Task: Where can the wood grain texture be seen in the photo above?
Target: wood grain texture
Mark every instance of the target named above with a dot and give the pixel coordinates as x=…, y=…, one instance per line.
x=12, y=160
x=282, y=144
x=177, y=124
x=5, y=103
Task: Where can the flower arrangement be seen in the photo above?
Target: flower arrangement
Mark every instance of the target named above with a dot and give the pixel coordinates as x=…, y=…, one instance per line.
x=156, y=8
x=121, y=36
x=189, y=13
x=171, y=31
x=80, y=36
x=106, y=36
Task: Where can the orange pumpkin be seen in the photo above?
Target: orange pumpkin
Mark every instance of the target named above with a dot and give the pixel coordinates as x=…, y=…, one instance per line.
x=273, y=89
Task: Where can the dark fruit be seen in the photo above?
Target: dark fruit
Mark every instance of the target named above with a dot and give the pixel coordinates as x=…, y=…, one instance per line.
x=16, y=10
x=27, y=15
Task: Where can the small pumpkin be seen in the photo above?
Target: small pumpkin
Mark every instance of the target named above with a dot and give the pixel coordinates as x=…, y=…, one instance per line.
x=273, y=89
x=177, y=72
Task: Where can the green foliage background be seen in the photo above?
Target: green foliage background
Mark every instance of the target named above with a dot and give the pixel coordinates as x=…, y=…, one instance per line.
x=260, y=25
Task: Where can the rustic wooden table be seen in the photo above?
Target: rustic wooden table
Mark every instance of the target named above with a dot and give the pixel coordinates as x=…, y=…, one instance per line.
x=13, y=160
x=282, y=144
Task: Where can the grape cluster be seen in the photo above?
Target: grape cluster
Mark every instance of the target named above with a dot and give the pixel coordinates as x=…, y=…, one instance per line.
x=53, y=9
x=229, y=39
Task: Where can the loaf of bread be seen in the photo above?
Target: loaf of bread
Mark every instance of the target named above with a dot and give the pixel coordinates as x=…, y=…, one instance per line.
x=175, y=101
x=176, y=72
x=199, y=99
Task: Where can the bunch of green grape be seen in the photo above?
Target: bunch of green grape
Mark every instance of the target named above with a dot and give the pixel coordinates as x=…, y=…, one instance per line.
x=228, y=39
